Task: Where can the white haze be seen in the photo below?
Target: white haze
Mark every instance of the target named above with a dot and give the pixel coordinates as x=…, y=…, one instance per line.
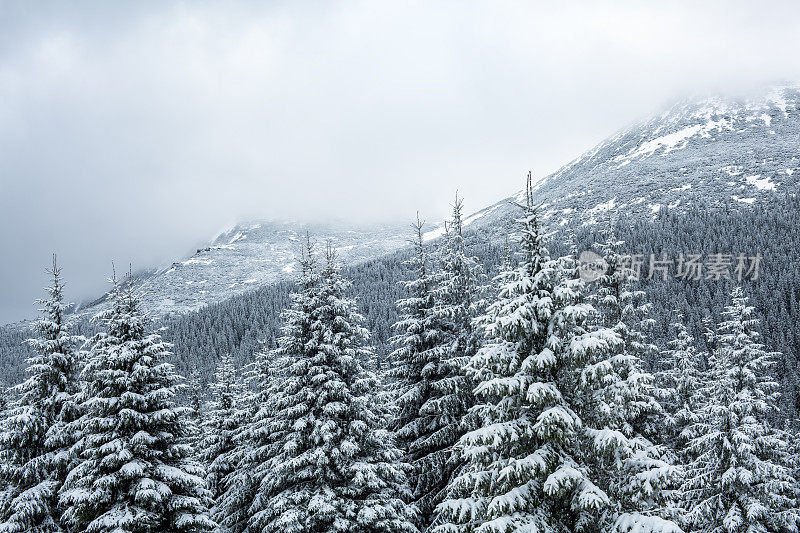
x=134, y=133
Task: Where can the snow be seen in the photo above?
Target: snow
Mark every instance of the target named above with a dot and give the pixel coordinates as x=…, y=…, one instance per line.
x=472, y=218
x=433, y=234
x=732, y=170
x=682, y=187
x=669, y=141
x=239, y=236
x=288, y=268
x=762, y=184
x=198, y=261
x=743, y=200
x=605, y=206
x=252, y=280
x=776, y=98
x=654, y=208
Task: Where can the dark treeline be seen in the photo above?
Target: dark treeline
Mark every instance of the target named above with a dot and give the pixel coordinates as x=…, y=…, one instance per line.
x=241, y=324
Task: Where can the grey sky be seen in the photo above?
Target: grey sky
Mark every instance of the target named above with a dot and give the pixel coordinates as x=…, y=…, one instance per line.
x=134, y=133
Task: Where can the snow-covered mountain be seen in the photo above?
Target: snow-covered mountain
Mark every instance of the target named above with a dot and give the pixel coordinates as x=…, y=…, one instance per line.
x=718, y=150
x=250, y=255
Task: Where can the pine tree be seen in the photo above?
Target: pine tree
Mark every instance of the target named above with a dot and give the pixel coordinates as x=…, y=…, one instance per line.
x=622, y=415
x=331, y=464
x=250, y=448
x=681, y=383
x=625, y=310
x=135, y=472
x=34, y=443
x=255, y=441
x=741, y=479
x=533, y=464
x=444, y=394
x=415, y=338
x=521, y=470
x=220, y=426
x=416, y=369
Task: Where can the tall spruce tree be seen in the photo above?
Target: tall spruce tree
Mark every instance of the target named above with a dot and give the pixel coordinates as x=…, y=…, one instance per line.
x=741, y=478
x=333, y=464
x=416, y=368
x=134, y=471
x=532, y=465
x=681, y=384
x=220, y=425
x=415, y=337
x=520, y=467
x=625, y=310
x=255, y=442
x=34, y=442
x=622, y=415
x=454, y=302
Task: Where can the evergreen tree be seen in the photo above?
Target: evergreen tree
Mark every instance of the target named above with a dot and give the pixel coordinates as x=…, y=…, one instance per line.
x=521, y=470
x=332, y=465
x=532, y=465
x=415, y=338
x=246, y=457
x=34, y=442
x=220, y=426
x=451, y=337
x=625, y=310
x=255, y=442
x=416, y=369
x=681, y=383
x=622, y=415
x=741, y=479
x=134, y=472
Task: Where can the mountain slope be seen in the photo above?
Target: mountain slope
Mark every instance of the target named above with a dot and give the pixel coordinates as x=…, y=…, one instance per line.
x=248, y=256
x=725, y=151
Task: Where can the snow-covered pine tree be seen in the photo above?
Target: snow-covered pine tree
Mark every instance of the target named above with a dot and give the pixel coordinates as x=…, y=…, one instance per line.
x=416, y=367
x=412, y=343
x=453, y=338
x=220, y=425
x=523, y=471
x=34, y=442
x=255, y=441
x=622, y=415
x=334, y=466
x=681, y=385
x=134, y=471
x=741, y=479
x=625, y=310
x=533, y=465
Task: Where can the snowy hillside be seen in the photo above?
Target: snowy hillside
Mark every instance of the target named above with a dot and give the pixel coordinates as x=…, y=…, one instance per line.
x=717, y=149
x=250, y=255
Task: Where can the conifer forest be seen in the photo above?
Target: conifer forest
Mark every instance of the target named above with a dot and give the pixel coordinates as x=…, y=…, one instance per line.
x=374, y=343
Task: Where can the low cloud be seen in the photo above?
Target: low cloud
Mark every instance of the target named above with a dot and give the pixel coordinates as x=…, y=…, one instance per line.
x=134, y=133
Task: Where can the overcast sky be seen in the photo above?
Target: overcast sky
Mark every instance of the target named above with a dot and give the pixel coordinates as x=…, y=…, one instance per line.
x=135, y=132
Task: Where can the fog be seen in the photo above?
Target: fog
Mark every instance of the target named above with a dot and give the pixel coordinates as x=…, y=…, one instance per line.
x=135, y=133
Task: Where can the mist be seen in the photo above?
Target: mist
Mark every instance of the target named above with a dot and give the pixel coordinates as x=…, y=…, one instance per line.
x=135, y=133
